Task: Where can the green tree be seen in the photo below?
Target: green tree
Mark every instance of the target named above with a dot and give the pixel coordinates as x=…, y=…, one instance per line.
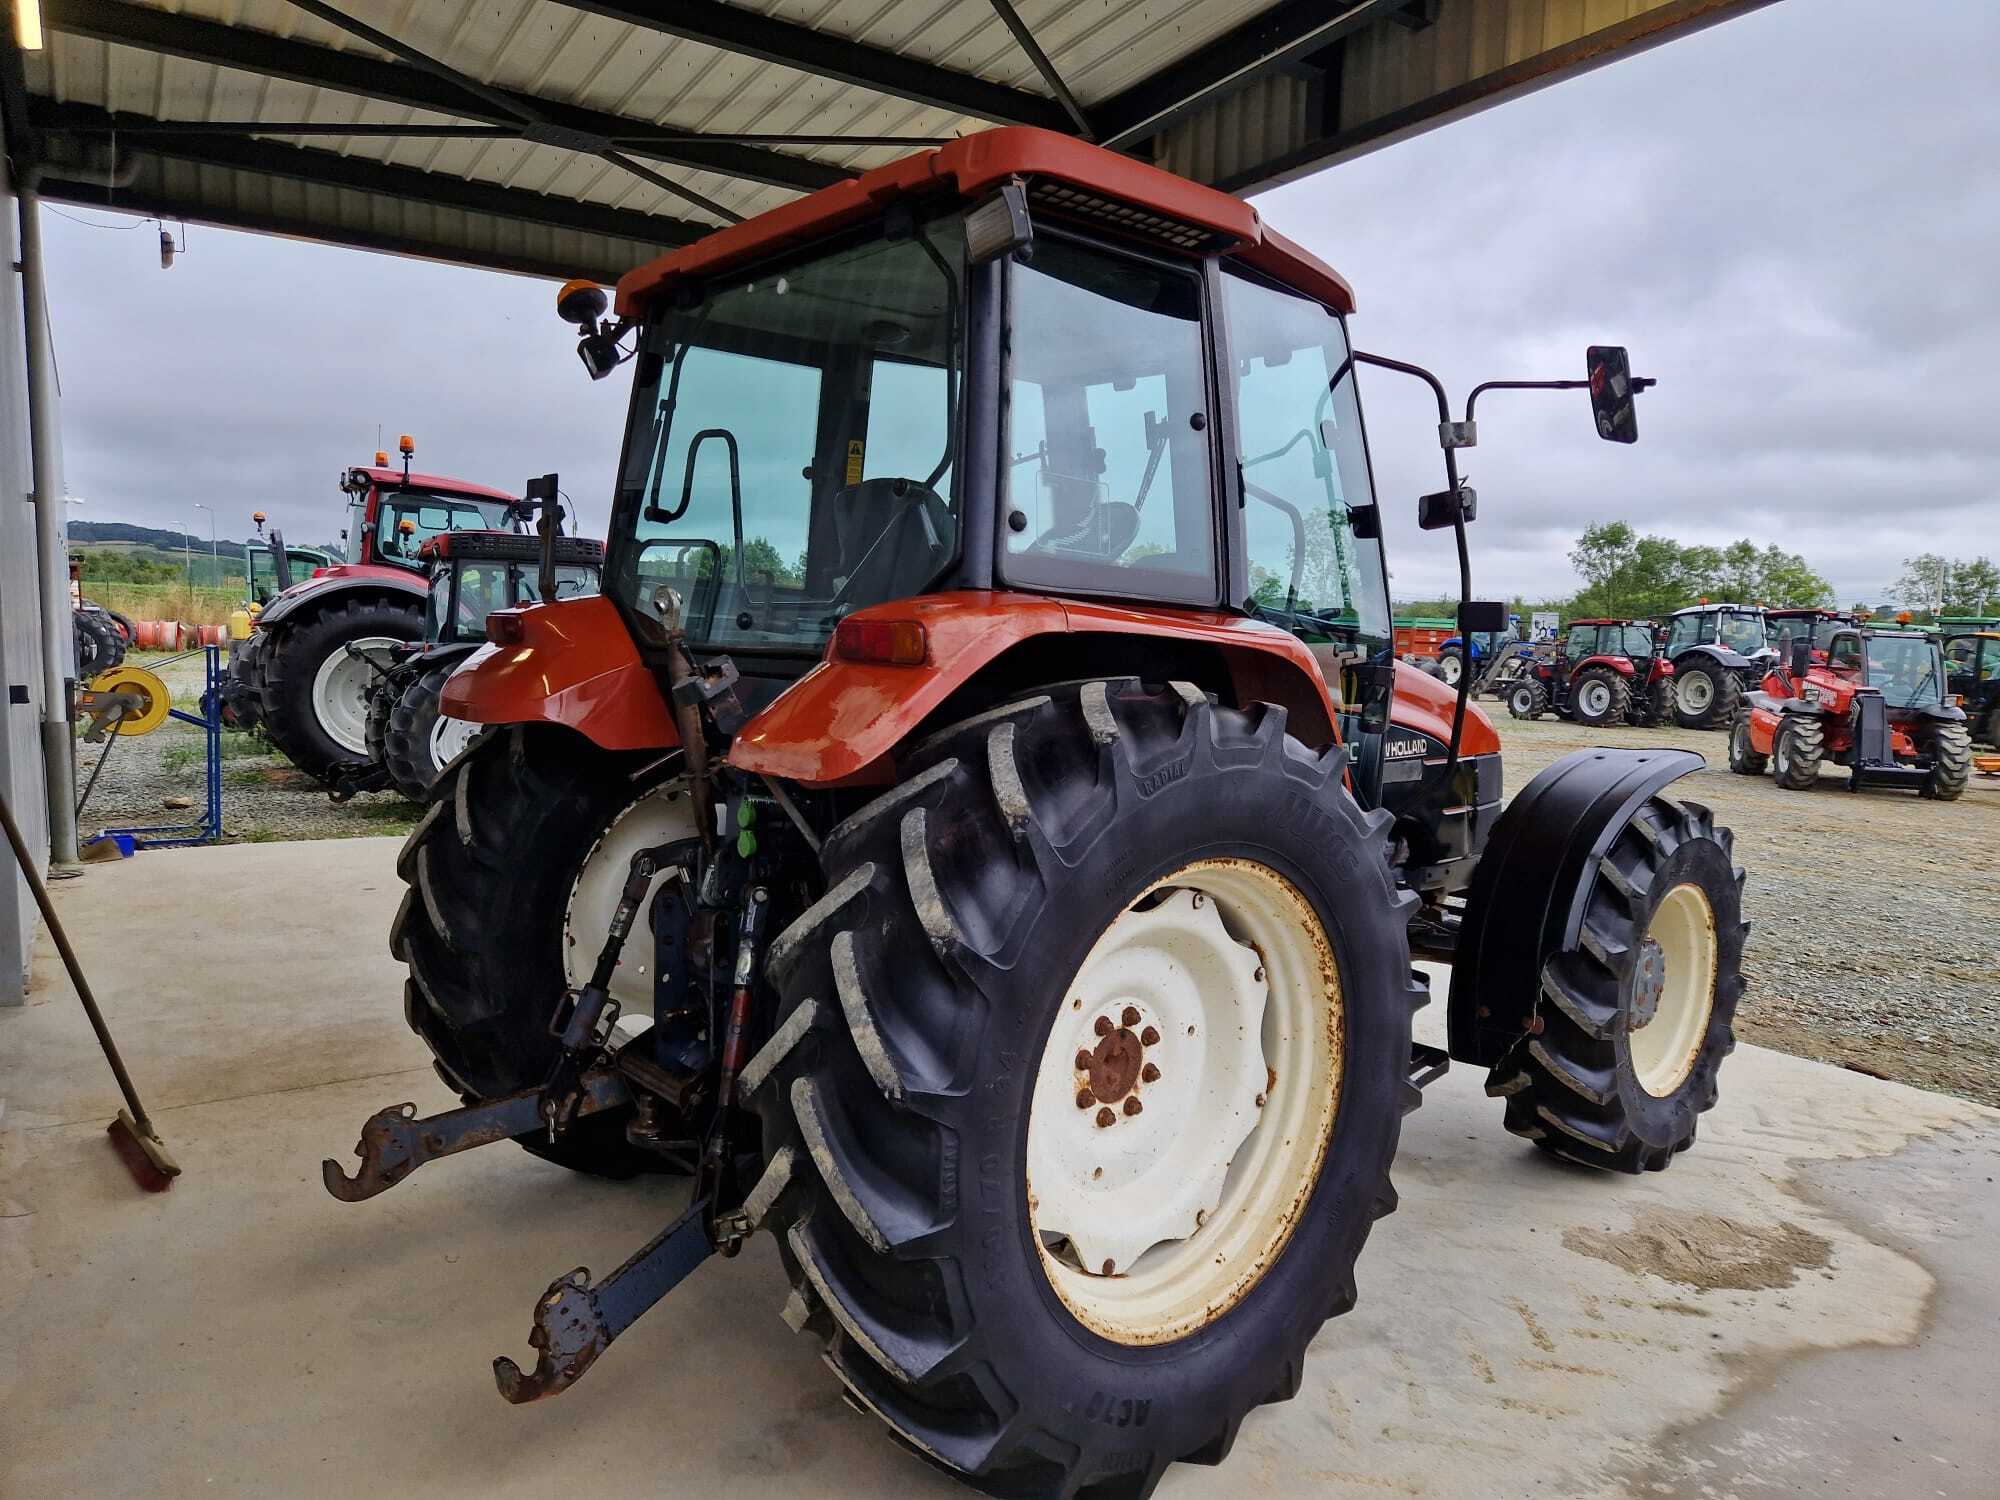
x=1603, y=557
x=1973, y=587
x=1922, y=586
x=1785, y=581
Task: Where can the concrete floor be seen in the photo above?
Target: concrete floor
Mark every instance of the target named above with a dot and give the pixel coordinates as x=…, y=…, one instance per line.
x=1805, y=1304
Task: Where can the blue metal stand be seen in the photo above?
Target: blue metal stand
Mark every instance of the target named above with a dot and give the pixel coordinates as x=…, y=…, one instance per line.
x=209, y=721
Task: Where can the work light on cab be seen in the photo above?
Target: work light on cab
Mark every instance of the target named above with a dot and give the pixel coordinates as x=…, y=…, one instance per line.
x=585, y=304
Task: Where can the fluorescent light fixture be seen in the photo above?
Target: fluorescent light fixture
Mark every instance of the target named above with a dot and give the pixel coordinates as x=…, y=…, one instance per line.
x=28, y=24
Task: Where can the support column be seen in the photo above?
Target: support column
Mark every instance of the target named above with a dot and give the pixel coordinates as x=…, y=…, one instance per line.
x=51, y=557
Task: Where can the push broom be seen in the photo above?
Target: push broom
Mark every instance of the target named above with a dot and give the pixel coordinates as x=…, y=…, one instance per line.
x=132, y=1134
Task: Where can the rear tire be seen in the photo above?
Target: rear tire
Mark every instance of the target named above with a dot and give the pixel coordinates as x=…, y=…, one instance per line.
x=293, y=661
x=1991, y=734
x=1600, y=696
x=1796, y=752
x=1652, y=706
x=1743, y=757
x=1706, y=695
x=1527, y=700
x=1451, y=665
x=491, y=871
x=921, y=1001
x=1636, y=1017
x=1951, y=763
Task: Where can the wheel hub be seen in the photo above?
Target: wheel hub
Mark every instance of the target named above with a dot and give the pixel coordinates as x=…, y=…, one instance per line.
x=1649, y=980
x=1113, y=1068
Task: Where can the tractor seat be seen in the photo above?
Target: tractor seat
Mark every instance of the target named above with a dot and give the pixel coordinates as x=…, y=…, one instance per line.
x=892, y=536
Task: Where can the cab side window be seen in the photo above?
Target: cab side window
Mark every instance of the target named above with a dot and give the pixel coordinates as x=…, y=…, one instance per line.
x=1686, y=632
x=1845, y=654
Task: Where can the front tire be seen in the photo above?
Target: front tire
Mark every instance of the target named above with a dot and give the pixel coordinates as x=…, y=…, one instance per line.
x=1951, y=763
x=520, y=828
x=1451, y=665
x=950, y=965
x=1636, y=1017
x=1528, y=699
x=1797, y=750
x=418, y=739
x=1706, y=695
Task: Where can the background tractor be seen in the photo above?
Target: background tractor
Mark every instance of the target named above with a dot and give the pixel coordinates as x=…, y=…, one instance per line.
x=1972, y=676
x=294, y=674
x=981, y=831
x=1479, y=652
x=1876, y=704
x=1604, y=672
x=1719, y=652
x=472, y=573
x=1783, y=626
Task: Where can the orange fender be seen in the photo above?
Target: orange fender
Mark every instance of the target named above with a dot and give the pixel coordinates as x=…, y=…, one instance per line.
x=843, y=719
x=575, y=665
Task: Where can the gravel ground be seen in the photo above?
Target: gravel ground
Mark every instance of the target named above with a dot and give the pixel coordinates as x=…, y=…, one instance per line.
x=1875, y=917
x=263, y=797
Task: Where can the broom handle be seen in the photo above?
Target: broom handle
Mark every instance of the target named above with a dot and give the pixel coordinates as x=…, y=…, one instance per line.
x=75, y=971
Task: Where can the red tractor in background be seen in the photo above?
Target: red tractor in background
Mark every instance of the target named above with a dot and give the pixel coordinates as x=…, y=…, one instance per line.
x=295, y=674
x=1876, y=703
x=990, y=743
x=1603, y=672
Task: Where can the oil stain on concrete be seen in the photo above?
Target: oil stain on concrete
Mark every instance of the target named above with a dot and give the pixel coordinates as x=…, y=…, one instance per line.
x=1705, y=1251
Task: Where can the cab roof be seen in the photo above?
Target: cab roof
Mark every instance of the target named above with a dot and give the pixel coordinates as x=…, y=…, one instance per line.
x=507, y=546
x=440, y=484
x=1710, y=608
x=1066, y=178
x=1611, y=622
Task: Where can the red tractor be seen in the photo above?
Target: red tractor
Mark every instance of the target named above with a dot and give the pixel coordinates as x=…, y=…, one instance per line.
x=1875, y=703
x=1604, y=672
x=296, y=673
x=981, y=831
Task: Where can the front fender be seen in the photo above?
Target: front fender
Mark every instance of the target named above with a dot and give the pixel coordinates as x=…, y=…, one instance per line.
x=843, y=717
x=1534, y=880
x=576, y=665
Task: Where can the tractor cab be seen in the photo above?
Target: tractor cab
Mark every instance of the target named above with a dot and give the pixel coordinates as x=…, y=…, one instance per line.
x=392, y=512
x=1972, y=676
x=268, y=580
x=473, y=573
x=1817, y=626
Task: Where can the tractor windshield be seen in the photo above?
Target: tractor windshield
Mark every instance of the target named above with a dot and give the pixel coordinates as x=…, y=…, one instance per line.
x=1742, y=631
x=430, y=515
x=1907, y=669
x=790, y=454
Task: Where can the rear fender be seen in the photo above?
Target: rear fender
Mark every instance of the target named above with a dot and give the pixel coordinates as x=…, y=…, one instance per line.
x=1534, y=881
x=316, y=593
x=844, y=721
x=1616, y=664
x=1703, y=656
x=576, y=665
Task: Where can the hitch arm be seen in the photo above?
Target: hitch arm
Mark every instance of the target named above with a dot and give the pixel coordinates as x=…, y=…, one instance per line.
x=575, y=1321
x=394, y=1143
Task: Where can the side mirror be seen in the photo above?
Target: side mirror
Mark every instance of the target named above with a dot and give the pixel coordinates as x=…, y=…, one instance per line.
x=1801, y=654
x=1612, y=389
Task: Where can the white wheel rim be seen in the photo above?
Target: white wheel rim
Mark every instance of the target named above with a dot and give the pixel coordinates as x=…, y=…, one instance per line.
x=1595, y=698
x=1665, y=1046
x=340, y=694
x=1191, y=1199
x=449, y=737
x=661, y=816
x=1696, y=692
x=1451, y=669
x=1524, y=699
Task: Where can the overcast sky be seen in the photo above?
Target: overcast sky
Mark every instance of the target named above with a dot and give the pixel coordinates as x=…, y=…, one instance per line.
x=1790, y=218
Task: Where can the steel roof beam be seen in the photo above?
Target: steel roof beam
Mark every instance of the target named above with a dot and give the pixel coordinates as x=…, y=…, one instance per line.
x=826, y=55
x=331, y=169
x=399, y=83
x=1280, y=38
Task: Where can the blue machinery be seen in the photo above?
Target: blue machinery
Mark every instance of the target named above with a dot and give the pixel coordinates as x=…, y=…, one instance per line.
x=209, y=721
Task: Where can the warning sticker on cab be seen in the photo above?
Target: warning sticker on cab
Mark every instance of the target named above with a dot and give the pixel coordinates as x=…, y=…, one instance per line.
x=854, y=450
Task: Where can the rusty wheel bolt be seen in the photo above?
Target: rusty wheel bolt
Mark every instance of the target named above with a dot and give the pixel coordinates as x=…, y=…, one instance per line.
x=1259, y=975
x=1149, y=1074
x=1083, y=1059
x=1132, y=1104
x=1105, y=1117
x=1084, y=1098
x=1104, y=1026
x=1260, y=1101
x=1131, y=1015
x=1107, y=1268
x=1149, y=1037
x=1199, y=901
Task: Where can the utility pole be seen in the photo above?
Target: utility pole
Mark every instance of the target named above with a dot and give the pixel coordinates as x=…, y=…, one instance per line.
x=214, y=557
x=187, y=562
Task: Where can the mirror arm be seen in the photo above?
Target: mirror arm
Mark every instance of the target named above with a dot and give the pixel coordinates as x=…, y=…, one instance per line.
x=1639, y=383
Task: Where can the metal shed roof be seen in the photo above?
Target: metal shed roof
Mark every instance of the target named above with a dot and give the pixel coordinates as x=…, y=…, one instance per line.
x=585, y=137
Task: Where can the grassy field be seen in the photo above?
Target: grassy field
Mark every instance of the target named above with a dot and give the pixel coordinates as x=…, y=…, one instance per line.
x=166, y=601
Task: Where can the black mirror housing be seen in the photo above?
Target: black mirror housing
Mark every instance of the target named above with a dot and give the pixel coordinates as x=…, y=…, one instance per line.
x=1482, y=616
x=1801, y=654
x=1611, y=393
x=1447, y=508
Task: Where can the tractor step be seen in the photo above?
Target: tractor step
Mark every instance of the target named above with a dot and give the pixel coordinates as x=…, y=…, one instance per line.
x=575, y=1321
x=1427, y=1064
x=394, y=1143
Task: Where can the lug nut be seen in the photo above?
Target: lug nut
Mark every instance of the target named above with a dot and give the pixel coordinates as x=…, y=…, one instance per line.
x=1104, y=1026
x=1083, y=1059
x=1107, y=1268
x=1259, y=975
x=1150, y=1037
x=1084, y=1098
x=1105, y=1117
x=1149, y=1074
x=1131, y=1015
x=1199, y=901
x=1132, y=1104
